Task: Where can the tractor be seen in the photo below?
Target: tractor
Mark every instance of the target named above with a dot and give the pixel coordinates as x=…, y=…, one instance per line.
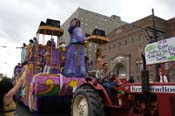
x=144, y=98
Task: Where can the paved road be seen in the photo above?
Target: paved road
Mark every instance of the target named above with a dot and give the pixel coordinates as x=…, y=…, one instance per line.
x=60, y=111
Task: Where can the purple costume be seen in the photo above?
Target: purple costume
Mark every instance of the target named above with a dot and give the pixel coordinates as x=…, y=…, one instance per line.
x=17, y=69
x=75, y=65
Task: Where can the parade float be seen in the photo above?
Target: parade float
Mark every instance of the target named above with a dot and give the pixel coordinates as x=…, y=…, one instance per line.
x=41, y=88
x=88, y=96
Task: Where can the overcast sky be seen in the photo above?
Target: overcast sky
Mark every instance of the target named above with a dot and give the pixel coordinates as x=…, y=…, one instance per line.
x=20, y=18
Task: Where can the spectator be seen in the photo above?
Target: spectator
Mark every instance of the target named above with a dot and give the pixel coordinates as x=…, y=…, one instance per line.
x=17, y=69
x=7, y=90
x=163, y=77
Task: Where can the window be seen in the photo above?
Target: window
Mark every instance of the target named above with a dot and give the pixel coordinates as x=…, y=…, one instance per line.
x=109, y=47
x=140, y=37
x=119, y=44
x=126, y=42
x=95, y=46
x=132, y=39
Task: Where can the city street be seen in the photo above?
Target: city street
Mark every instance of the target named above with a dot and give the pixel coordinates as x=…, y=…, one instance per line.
x=23, y=111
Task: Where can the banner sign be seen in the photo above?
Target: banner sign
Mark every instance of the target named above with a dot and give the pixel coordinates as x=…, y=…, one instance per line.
x=161, y=51
x=155, y=89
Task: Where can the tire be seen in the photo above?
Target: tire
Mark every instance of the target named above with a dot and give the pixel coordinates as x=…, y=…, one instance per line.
x=87, y=102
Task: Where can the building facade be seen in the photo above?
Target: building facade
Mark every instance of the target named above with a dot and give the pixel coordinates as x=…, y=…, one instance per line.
x=123, y=52
x=90, y=21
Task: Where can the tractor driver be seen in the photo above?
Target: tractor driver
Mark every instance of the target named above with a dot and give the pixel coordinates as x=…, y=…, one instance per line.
x=102, y=78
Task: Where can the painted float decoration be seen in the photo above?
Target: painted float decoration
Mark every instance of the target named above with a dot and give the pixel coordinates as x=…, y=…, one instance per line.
x=53, y=84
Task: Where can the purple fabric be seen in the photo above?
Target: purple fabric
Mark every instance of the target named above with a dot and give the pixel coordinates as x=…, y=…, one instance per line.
x=66, y=89
x=17, y=69
x=75, y=65
x=54, y=57
x=53, y=43
x=41, y=55
x=41, y=60
x=31, y=60
x=62, y=54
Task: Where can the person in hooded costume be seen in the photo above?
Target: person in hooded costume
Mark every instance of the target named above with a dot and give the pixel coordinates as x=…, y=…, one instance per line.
x=75, y=64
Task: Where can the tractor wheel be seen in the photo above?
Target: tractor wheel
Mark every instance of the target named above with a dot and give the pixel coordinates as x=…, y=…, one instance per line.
x=87, y=102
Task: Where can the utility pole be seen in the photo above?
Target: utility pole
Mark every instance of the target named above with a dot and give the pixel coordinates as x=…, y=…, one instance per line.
x=154, y=26
x=154, y=38
x=157, y=66
x=152, y=33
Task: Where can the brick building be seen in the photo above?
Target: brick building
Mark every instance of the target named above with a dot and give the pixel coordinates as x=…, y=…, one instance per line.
x=90, y=21
x=123, y=52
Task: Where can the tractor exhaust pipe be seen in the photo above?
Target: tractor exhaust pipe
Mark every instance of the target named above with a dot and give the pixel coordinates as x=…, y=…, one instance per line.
x=145, y=77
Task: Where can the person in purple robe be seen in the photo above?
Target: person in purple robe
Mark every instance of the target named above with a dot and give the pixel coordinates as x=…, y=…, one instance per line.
x=53, y=43
x=17, y=69
x=75, y=64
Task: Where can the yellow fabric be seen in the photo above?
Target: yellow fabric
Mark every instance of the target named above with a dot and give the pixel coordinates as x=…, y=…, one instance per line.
x=9, y=107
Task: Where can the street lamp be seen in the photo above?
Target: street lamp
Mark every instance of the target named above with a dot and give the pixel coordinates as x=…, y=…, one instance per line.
x=139, y=64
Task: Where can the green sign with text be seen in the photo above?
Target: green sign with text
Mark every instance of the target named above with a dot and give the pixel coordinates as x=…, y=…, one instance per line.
x=161, y=51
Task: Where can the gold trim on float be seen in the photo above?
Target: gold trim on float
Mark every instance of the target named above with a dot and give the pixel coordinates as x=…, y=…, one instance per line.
x=50, y=30
x=97, y=39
